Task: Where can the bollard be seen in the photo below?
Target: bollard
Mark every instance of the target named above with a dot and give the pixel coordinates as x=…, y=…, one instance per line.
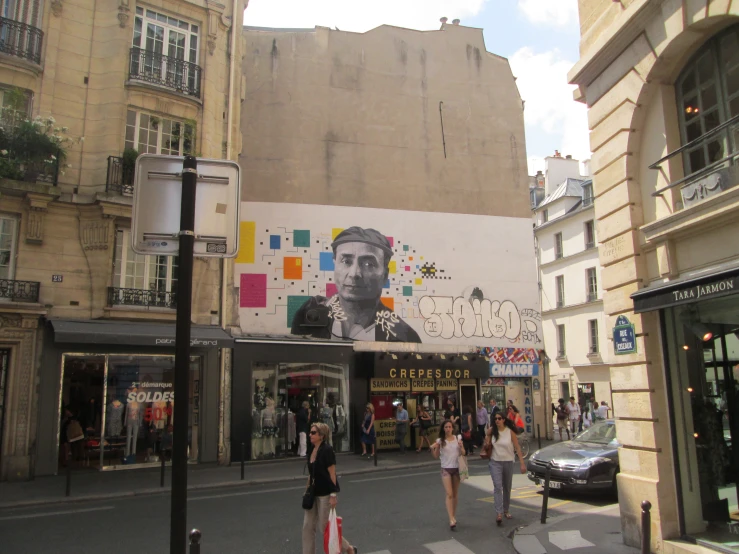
x=195, y=536
x=68, y=489
x=538, y=434
x=375, y=455
x=243, y=455
x=646, y=527
x=161, y=477
x=545, y=500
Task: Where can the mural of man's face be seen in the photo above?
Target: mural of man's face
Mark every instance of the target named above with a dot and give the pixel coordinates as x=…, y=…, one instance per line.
x=360, y=271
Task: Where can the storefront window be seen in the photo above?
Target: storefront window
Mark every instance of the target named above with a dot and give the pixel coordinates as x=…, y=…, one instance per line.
x=124, y=405
x=280, y=389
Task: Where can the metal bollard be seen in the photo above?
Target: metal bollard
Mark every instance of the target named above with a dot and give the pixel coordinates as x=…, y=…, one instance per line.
x=545, y=500
x=375, y=455
x=243, y=455
x=161, y=476
x=68, y=489
x=195, y=536
x=538, y=434
x=646, y=527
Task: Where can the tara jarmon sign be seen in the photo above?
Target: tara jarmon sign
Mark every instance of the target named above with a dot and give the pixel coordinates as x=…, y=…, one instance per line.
x=704, y=288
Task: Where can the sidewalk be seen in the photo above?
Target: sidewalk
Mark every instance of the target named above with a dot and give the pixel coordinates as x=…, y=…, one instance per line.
x=597, y=531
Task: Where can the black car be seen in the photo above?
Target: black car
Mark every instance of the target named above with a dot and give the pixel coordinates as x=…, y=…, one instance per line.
x=587, y=462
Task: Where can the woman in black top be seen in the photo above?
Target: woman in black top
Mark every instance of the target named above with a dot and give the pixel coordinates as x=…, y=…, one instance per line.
x=322, y=474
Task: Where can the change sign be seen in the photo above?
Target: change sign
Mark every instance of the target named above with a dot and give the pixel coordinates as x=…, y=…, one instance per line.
x=624, y=337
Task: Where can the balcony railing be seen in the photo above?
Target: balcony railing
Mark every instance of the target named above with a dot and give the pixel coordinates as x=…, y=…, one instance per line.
x=715, y=177
x=587, y=201
x=21, y=40
x=141, y=297
x=19, y=291
x=120, y=178
x=158, y=69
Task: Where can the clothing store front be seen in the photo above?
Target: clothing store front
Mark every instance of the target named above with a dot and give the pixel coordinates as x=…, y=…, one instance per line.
x=274, y=379
x=700, y=339
x=422, y=380
x=116, y=380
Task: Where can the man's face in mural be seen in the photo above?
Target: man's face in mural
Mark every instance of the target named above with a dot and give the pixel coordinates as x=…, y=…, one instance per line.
x=360, y=271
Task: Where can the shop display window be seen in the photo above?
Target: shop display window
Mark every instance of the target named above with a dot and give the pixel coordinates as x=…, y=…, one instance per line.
x=123, y=405
x=280, y=391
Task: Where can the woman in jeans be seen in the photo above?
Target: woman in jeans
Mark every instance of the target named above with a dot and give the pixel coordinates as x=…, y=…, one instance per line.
x=482, y=421
x=505, y=442
x=322, y=472
x=449, y=448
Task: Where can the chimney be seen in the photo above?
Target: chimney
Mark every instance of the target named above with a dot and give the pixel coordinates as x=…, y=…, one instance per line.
x=444, y=20
x=455, y=22
x=539, y=179
x=568, y=156
x=557, y=154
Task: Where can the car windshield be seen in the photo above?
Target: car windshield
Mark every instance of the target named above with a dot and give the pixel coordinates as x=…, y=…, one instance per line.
x=602, y=433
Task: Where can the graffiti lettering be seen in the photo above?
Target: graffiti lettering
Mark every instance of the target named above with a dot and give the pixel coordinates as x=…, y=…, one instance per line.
x=386, y=321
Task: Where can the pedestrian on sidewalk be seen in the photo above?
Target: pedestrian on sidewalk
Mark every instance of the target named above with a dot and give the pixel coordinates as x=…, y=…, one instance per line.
x=603, y=410
x=424, y=422
x=468, y=430
x=452, y=414
x=587, y=419
x=302, y=427
x=322, y=477
x=515, y=417
x=561, y=411
x=401, y=426
x=482, y=421
x=494, y=409
x=505, y=443
x=368, y=430
x=449, y=448
x=573, y=412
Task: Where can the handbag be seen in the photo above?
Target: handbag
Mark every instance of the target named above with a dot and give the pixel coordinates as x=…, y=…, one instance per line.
x=487, y=449
x=309, y=497
x=464, y=470
x=425, y=423
x=467, y=435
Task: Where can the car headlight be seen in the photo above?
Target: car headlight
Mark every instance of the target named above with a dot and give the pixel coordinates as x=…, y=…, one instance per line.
x=590, y=462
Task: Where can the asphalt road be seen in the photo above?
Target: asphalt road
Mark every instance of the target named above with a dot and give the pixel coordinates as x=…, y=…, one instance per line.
x=390, y=513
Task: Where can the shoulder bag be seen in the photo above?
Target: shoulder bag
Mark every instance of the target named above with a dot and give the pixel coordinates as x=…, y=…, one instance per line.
x=487, y=449
x=309, y=496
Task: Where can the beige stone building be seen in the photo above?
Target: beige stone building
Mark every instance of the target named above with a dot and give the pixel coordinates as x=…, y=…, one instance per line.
x=660, y=82
x=116, y=76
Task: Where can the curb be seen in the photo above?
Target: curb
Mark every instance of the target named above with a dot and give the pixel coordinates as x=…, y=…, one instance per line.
x=200, y=487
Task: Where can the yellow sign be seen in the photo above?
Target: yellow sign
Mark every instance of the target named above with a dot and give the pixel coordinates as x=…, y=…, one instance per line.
x=390, y=385
x=446, y=384
x=422, y=385
x=429, y=373
x=385, y=432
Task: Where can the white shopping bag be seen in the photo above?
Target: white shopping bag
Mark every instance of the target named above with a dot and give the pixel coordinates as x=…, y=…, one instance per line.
x=332, y=534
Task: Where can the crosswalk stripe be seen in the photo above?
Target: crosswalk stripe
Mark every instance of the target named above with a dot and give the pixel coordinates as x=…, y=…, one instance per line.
x=448, y=547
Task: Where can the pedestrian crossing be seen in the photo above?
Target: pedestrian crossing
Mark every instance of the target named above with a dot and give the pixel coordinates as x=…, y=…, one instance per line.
x=444, y=547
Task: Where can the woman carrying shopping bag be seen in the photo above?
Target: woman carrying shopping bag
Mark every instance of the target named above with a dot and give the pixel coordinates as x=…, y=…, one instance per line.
x=502, y=437
x=321, y=494
x=450, y=449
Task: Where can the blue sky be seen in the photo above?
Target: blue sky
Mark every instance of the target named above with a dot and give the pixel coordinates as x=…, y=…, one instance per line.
x=539, y=38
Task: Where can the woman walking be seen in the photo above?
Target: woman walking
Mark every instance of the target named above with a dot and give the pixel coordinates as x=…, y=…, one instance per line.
x=482, y=421
x=322, y=476
x=449, y=448
x=503, y=437
x=468, y=430
x=368, y=430
x=424, y=422
x=302, y=428
x=515, y=417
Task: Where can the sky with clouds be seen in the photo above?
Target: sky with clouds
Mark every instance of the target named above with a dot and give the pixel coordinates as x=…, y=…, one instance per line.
x=539, y=38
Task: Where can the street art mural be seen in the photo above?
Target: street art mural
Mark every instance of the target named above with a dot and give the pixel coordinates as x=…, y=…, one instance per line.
x=342, y=273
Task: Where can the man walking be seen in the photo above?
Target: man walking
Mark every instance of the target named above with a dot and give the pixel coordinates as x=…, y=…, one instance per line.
x=494, y=409
x=603, y=410
x=401, y=426
x=561, y=411
x=573, y=411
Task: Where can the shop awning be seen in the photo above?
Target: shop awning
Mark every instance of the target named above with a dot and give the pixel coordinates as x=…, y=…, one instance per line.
x=96, y=331
x=687, y=291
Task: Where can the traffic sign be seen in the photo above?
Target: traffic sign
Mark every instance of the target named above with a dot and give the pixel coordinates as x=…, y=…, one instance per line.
x=157, y=196
x=624, y=336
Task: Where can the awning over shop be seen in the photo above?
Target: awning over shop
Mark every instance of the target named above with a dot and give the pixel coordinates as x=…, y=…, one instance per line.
x=135, y=333
x=687, y=291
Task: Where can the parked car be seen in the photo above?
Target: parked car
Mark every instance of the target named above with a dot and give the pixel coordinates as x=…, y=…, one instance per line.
x=589, y=462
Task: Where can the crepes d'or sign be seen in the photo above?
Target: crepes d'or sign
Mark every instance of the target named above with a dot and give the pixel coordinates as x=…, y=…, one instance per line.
x=446, y=384
x=415, y=385
x=389, y=385
x=423, y=385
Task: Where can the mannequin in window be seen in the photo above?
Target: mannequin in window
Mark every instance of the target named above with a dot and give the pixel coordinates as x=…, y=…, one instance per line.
x=115, y=418
x=134, y=412
x=269, y=430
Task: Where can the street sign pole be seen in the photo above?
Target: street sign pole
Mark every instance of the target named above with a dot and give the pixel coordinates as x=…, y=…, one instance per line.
x=178, y=516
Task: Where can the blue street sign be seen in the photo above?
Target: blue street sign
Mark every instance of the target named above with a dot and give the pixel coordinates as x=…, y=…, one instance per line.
x=624, y=336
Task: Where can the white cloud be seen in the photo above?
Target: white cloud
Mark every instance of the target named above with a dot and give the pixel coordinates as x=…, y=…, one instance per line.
x=358, y=16
x=549, y=108
x=550, y=12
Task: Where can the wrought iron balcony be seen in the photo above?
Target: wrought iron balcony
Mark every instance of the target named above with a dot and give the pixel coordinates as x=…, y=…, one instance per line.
x=19, y=291
x=141, y=297
x=587, y=201
x=165, y=71
x=120, y=178
x=720, y=171
x=21, y=40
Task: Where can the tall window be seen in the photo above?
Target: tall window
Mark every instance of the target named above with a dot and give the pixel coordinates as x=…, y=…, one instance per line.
x=708, y=95
x=592, y=283
x=136, y=271
x=150, y=134
x=25, y=11
x=545, y=215
x=162, y=34
x=589, y=234
x=561, y=349
x=593, y=338
x=8, y=239
x=587, y=194
x=560, y=282
x=558, y=248
x=15, y=105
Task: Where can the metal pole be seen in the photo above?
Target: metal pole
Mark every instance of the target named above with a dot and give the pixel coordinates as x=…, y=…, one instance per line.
x=68, y=489
x=375, y=453
x=195, y=536
x=545, y=500
x=178, y=513
x=161, y=457
x=538, y=434
x=646, y=527
x=243, y=455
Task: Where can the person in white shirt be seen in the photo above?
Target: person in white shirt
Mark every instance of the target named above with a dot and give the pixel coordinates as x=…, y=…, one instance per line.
x=587, y=419
x=603, y=410
x=573, y=411
x=449, y=448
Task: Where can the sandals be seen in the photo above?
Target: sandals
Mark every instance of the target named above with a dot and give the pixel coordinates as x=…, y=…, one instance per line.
x=499, y=520
x=508, y=515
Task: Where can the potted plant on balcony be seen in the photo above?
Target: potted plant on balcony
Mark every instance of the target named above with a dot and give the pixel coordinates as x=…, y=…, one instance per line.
x=128, y=163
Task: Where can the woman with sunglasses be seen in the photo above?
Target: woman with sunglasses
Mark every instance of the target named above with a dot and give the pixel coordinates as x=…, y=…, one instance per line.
x=503, y=437
x=322, y=475
x=449, y=448
x=368, y=431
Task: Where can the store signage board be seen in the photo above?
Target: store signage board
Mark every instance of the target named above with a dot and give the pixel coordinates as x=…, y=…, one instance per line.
x=514, y=370
x=157, y=196
x=624, y=336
